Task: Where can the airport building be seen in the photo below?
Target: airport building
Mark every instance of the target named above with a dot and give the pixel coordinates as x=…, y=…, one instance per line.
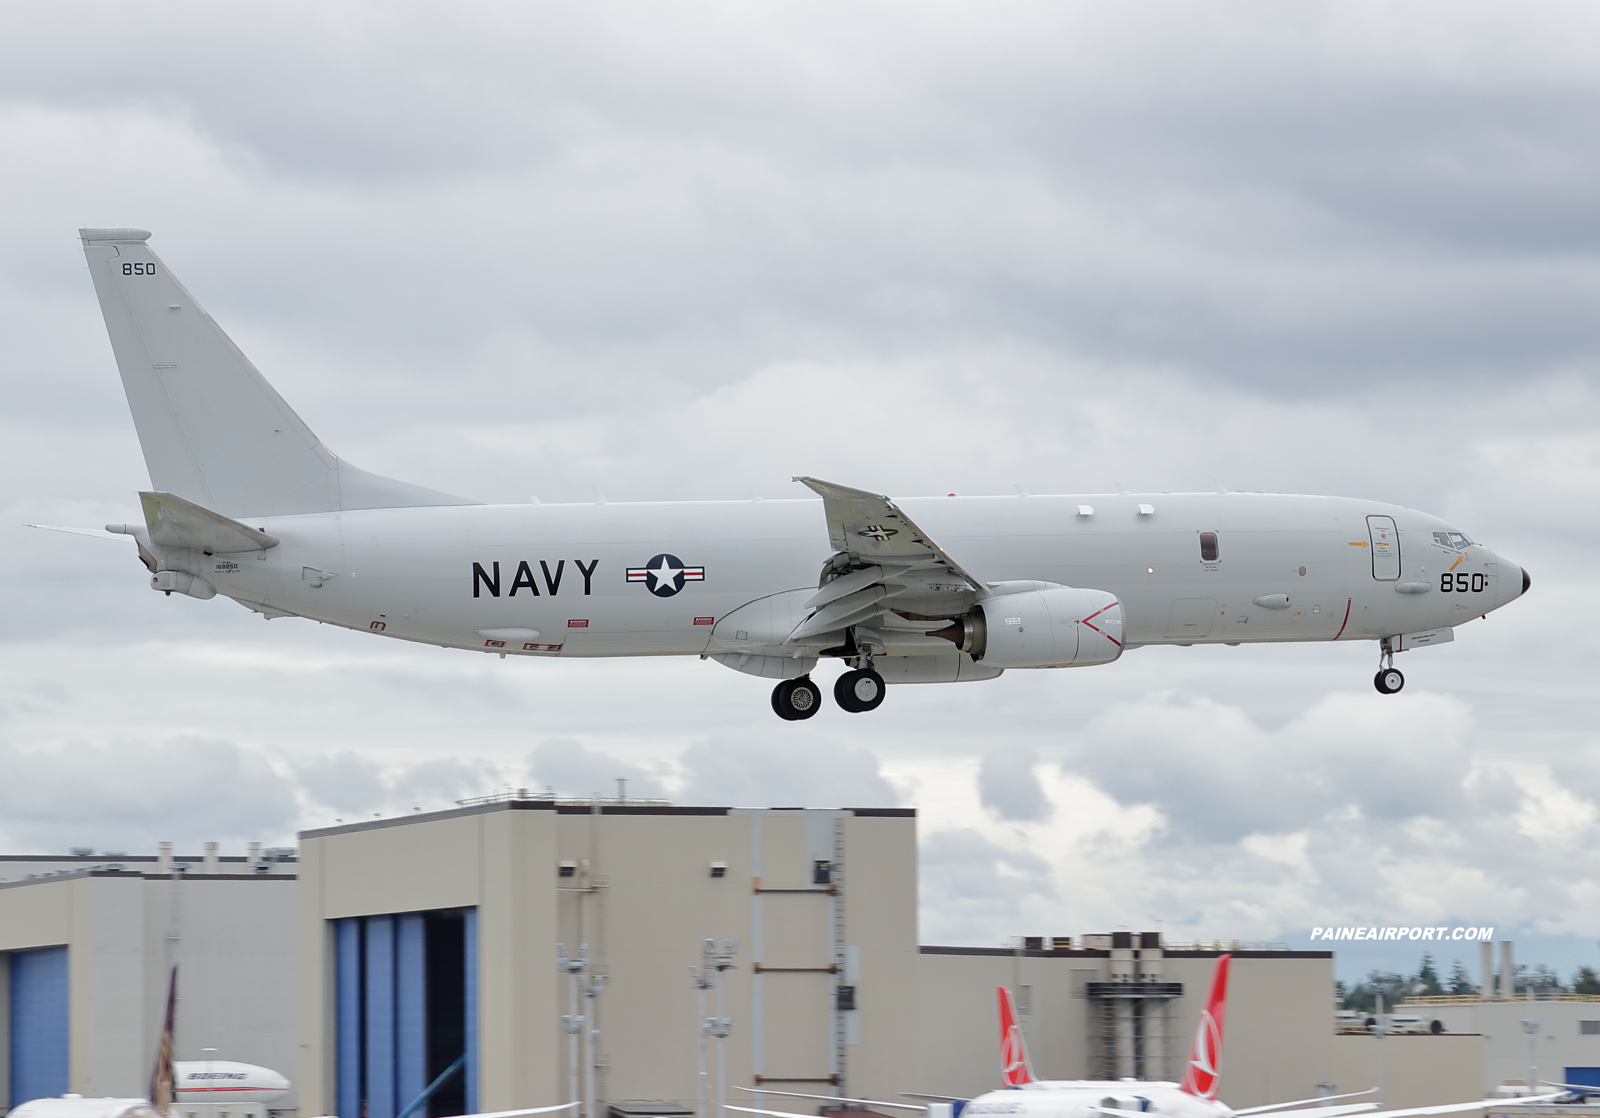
x=461, y=948
x=86, y=947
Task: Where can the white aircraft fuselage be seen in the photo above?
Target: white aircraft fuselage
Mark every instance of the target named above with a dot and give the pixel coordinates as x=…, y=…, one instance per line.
x=247, y=502
x=1082, y=1098
x=410, y=572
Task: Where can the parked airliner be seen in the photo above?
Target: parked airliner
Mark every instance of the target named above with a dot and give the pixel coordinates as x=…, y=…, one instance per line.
x=1025, y=1095
x=246, y=502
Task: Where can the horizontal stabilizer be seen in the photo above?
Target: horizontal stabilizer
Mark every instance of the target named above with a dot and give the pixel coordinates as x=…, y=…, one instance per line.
x=174, y=522
x=101, y=533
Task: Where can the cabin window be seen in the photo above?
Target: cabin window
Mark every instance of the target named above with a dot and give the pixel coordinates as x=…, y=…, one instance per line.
x=1208, y=547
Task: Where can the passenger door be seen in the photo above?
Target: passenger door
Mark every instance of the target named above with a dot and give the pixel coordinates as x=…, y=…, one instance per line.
x=1385, y=539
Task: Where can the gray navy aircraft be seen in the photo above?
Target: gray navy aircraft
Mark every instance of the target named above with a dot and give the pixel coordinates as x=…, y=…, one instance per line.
x=246, y=502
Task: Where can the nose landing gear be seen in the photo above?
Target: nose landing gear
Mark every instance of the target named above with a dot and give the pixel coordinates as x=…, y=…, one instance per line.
x=1389, y=679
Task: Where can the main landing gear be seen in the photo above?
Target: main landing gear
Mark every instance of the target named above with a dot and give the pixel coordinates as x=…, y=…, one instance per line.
x=859, y=691
x=856, y=691
x=1388, y=680
x=795, y=699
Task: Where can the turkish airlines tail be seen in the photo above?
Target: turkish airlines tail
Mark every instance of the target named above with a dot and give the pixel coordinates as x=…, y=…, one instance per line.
x=1015, y=1070
x=1205, y=1058
x=213, y=430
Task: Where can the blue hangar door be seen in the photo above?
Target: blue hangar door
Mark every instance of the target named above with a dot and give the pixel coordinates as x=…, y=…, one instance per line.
x=407, y=1009
x=39, y=1042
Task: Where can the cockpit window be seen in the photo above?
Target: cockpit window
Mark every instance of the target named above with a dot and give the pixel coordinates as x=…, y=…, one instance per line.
x=1451, y=539
x=1442, y=539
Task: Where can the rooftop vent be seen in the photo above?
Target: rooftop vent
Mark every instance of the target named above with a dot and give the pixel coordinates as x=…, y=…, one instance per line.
x=83, y=851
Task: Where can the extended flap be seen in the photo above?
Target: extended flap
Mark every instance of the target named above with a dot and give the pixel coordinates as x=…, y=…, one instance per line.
x=175, y=522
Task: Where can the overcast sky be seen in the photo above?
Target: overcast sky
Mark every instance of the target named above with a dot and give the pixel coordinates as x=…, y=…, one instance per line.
x=688, y=250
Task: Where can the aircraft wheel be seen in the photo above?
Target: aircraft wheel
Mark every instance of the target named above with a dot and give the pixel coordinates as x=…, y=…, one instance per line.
x=1388, y=681
x=795, y=699
x=859, y=691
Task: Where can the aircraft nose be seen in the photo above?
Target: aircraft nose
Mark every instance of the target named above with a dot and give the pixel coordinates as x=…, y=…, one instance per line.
x=1526, y=581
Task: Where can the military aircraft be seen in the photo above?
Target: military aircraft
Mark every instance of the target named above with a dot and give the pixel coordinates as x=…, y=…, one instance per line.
x=246, y=502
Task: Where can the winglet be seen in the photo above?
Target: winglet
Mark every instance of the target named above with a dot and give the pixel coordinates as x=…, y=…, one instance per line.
x=1015, y=1068
x=1205, y=1058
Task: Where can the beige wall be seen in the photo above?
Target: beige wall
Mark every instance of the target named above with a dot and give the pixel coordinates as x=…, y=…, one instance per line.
x=231, y=937
x=642, y=899
x=1276, y=1046
x=1417, y=1070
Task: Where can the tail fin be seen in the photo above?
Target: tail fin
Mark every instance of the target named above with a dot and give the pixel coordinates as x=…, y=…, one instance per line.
x=213, y=430
x=161, y=1074
x=1015, y=1068
x=1205, y=1058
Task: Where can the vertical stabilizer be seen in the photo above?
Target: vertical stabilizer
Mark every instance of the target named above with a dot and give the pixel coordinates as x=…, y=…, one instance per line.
x=1015, y=1068
x=1205, y=1058
x=213, y=430
x=161, y=1092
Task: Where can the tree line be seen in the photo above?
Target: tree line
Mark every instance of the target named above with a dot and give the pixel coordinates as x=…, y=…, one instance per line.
x=1397, y=988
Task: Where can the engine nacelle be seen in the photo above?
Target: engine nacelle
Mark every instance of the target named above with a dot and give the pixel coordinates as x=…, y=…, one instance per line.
x=1056, y=627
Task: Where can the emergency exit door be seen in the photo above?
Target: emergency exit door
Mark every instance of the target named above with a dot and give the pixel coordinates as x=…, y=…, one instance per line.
x=1385, y=548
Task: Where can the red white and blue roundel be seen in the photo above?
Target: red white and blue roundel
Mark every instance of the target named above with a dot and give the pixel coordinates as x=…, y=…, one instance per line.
x=665, y=575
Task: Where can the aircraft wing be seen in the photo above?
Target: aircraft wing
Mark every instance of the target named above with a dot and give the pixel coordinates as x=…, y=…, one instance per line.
x=175, y=522
x=1318, y=1101
x=833, y=1098
x=872, y=525
x=890, y=574
x=1445, y=1108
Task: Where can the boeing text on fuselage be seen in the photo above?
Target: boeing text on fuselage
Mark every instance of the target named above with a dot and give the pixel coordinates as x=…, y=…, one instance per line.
x=246, y=502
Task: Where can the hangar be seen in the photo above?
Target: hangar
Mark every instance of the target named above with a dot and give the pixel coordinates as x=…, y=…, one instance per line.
x=457, y=949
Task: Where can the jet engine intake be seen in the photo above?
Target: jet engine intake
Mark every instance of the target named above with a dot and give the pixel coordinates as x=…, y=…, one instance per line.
x=1059, y=627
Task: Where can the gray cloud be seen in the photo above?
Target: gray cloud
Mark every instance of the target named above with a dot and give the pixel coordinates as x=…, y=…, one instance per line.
x=132, y=794
x=513, y=251
x=573, y=769
x=974, y=886
x=756, y=773
x=1007, y=785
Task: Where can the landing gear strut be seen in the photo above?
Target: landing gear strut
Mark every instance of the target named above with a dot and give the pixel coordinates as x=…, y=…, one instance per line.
x=1388, y=680
x=795, y=699
x=859, y=691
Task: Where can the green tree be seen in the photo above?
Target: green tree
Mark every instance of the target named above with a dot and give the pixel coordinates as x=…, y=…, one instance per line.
x=1586, y=981
x=1427, y=978
x=1460, y=981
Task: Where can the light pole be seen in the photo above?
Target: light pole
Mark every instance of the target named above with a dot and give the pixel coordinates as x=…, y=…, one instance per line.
x=595, y=988
x=1531, y=1027
x=721, y=1026
x=700, y=980
x=572, y=1022
x=1380, y=1029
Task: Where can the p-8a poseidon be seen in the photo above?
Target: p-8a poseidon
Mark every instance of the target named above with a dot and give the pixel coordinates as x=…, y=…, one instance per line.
x=246, y=502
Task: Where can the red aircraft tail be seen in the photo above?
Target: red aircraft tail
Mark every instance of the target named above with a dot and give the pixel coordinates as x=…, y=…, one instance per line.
x=1205, y=1058
x=1015, y=1070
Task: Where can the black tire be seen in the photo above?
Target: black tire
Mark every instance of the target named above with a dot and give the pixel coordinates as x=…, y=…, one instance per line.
x=859, y=691
x=1392, y=681
x=796, y=699
x=1377, y=681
